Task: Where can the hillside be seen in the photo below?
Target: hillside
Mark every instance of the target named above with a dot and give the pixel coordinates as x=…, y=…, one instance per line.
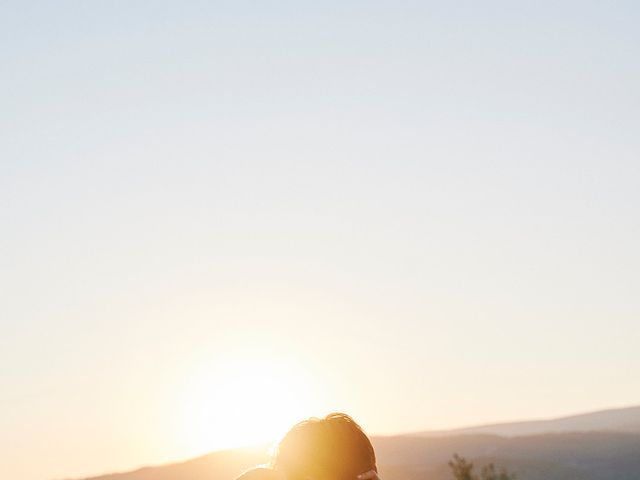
x=613, y=420
x=575, y=456
x=222, y=465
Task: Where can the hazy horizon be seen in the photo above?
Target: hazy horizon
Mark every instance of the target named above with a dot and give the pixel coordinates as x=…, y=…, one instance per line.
x=422, y=214
x=269, y=443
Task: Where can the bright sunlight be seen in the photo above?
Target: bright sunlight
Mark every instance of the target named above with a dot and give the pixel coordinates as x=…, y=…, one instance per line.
x=241, y=399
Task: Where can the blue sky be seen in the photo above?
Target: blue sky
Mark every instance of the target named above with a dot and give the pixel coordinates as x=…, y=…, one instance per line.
x=408, y=200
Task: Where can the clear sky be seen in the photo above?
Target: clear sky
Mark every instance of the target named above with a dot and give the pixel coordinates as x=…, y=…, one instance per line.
x=424, y=214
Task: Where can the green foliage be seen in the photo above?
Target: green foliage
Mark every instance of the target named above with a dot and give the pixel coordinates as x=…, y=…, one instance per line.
x=463, y=470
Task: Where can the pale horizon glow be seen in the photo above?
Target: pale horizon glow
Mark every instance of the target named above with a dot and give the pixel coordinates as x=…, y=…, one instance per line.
x=423, y=214
x=242, y=398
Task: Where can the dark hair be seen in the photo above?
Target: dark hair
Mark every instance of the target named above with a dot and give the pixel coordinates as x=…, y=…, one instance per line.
x=331, y=448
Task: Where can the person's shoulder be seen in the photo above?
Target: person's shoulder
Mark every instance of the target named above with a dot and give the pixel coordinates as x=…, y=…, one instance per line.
x=260, y=473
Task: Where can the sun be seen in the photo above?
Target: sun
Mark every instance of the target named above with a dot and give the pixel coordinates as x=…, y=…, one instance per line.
x=241, y=398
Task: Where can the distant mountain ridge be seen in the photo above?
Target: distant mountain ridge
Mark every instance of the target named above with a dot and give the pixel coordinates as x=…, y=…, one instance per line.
x=605, y=446
x=625, y=420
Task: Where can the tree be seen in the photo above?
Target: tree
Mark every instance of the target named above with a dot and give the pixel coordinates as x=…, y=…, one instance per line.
x=463, y=470
x=489, y=472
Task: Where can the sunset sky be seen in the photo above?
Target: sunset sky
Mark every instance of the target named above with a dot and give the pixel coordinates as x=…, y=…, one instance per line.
x=219, y=218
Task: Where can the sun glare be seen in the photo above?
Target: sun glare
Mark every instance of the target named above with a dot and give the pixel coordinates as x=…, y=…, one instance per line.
x=241, y=399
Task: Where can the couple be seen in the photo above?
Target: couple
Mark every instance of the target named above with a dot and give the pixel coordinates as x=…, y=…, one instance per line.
x=330, y=448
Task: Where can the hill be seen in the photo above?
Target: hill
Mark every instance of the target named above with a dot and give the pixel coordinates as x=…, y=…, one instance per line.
x=601, y=445
x=575, y=456
x=613, y=420
x=222, y=465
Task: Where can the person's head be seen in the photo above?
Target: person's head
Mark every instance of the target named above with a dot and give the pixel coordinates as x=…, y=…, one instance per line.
x=330, y=448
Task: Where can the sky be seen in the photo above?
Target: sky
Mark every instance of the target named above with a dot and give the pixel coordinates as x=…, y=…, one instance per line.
x=219, y=218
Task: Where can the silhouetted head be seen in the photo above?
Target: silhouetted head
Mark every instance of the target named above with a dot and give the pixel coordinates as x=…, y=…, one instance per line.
x=330, y=448
x=259, y=473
